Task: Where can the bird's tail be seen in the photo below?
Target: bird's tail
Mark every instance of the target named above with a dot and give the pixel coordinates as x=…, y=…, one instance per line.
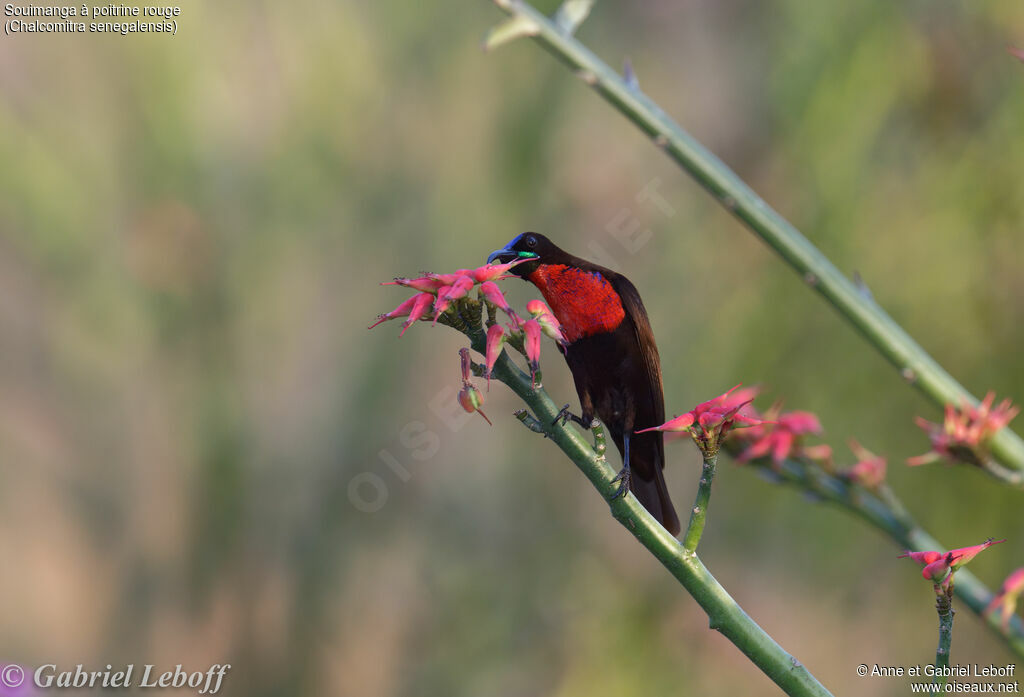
x=653, y=495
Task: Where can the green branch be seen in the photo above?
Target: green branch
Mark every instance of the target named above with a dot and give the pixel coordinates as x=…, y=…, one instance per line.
x=945, y=610
x=916, y=366
x=698, y=515
x=886, y=512
x=724, y=614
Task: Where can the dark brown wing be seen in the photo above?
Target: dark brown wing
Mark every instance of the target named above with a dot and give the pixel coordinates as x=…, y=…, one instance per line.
x=654, y=408
x=648, y=449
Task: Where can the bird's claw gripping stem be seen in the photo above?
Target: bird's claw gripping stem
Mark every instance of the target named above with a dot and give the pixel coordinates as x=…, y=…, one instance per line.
x=565, y=416
x=623, y=477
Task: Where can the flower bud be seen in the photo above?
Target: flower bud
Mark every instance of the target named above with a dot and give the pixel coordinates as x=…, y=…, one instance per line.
x=471, y=399
x=495, y=338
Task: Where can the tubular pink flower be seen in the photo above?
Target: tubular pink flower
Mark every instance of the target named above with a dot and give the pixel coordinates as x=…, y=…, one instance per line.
x=420, y=309
x=961, y=556
x=495, y=338
x=469, y=397
x=549, y=324
x=402, y=310
x=869, y=471
x=922, y=558
x=939, y=568
x=448, y=279
x=536, y=308
x=531, y=341
x=423, y=284
x=964, y=432
x=939, y=571
x=680, y=423
x=709, y=422
x=492, y=294
x=494, y=272
x=781, y=436
x=447, y=294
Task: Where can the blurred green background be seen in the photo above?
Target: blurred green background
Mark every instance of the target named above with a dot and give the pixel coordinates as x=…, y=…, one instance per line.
x=206, y=458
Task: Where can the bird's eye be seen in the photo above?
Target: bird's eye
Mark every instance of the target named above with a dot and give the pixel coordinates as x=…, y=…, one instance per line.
x=531, y=241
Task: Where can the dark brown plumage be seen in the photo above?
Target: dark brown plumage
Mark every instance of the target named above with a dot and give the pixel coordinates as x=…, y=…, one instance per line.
x=613, y=358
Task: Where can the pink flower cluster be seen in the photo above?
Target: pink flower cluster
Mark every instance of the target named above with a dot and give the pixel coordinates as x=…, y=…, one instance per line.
x=939, y=567
x=436, y=295
x=440, y=290
x=781, y=435
x=710, y=422
x=543, y=321
x=963, y=433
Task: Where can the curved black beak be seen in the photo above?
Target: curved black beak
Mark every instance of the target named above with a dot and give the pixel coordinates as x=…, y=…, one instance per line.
x=501, y=256
x=505, y=255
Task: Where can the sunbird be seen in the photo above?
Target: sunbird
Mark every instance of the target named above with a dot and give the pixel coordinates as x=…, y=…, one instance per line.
x=613, y=359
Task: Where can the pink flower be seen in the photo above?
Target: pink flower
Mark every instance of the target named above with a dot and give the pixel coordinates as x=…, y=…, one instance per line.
x=400, y=311
x=869, y=471
x=709, y=422
x=492, y=294
x=1008, y=597
x=939, y=571
x=964, y=432
x=1017, y=52
x=939, y=568
x=548, y=323
x=961, y=556
x=420, y=309
x=537, y=308
x=459, y=288
x=469, y=397
x=414, y=308
x=422, y=284
x=922, y=558
x=447, y=279
x=494, y=272
x=495, y=338
x=781, y=436
x=531, y=341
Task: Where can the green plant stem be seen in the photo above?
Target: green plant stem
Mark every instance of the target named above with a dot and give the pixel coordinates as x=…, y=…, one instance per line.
x=885, y=511
x=945, y=608
x=698, y=515
x=914, y=364
x=724, y=614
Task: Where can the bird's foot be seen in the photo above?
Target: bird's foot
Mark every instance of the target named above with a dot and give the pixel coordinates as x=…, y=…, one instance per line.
x=623, y=477
x=565, y=416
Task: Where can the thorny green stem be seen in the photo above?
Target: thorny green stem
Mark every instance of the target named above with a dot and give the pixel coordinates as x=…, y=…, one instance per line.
x=528, y=420
x=600, y=446
x=699, y=513
x=914, y=364
x=944, y=605
x=724, y=614
x=885, y=511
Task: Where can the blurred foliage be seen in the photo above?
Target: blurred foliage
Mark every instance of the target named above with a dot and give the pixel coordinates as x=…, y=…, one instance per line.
x=192, y=230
